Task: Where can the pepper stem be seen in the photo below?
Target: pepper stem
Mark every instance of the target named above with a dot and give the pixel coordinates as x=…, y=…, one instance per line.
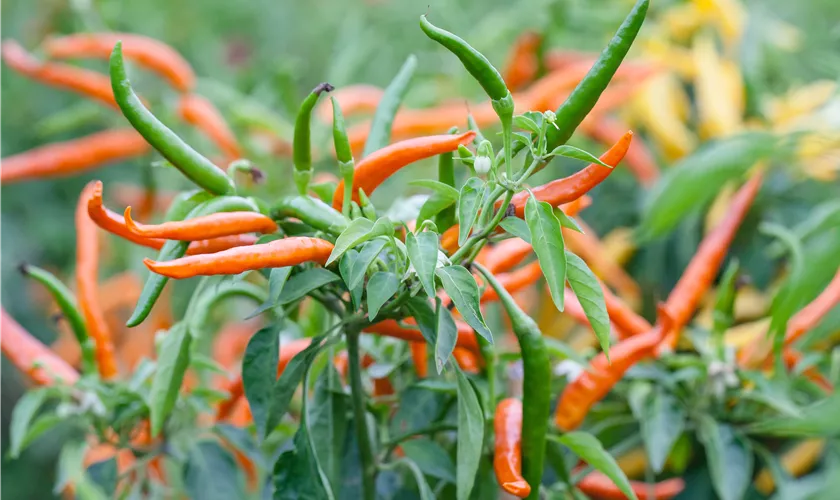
x=359, y=417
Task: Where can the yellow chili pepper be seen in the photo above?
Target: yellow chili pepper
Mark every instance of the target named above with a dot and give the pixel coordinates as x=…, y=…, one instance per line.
x=796, y=461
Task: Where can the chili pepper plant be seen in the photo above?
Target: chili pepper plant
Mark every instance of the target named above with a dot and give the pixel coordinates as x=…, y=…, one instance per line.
x=329, y=347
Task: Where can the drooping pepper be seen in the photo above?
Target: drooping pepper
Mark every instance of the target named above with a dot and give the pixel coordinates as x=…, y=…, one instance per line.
x=32, y=357
x=302, y=146
x=507, y=456
x=204, y=227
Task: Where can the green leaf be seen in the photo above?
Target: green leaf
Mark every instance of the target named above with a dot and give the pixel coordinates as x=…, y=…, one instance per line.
x=430, y=457
x=730, y=460
x=276, y=281
x=447, y=336
x=469, y=204
x=25, y=410
x=423, y=253
x=296, y=473
x=525, y=123
x=358, y=232
x=470, y=436
x=301, y=284
x=173, y=360
x=445, y=191
x=379, y=135
x=366, y=257
x=695, y=180
x=425, y=316
x=41, y=425
x=566, y=221
x=210, y=472
x=516, y=227
x=588, y=291
x=661, y=420
x=381, y=287
x=547, y=239
x=816, y=420
x=70, y=464
x=288, y=382
x=789, y=297
x=259, y=373
x=348, y=261
x=418, y=409
x=423, y=488
x=589, y=449
x=241, y=439
x=104, y=475
x=461, y=287
x=328, y=424
x=433, y=206
x=577, y=154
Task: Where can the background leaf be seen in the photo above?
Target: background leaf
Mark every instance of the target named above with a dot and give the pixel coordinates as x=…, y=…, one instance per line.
x=381, y=287
x=470, y=436
x=211, y=472
x=590, y=450
x=447, y=336
x=173, y=360
x=461, y=287
x=259, y=373
x=588, y=291
x=423, y=254
x=730, y=460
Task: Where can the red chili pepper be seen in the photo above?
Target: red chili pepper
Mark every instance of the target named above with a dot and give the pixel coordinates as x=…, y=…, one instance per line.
x=201, y=113
x=467, y=360
x=523, y=62
x=116, y=224
x=514, y=281
x=378, y=166
x=704, y=266
x=627, y=320
x=32, y=357
x=205, y=227
x=74, y=156
x=150, y=53
x=279, y=253
x=90, y=84
x=506, y=254
x=598, y=486
x=391, y=328
x=507, y=456
x=87, y=282
x=602, y=374
x=639, y=159
x=419, y=357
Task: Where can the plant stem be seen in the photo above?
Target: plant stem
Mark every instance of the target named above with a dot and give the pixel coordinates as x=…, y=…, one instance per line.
x=362, y=436
x=464, y=250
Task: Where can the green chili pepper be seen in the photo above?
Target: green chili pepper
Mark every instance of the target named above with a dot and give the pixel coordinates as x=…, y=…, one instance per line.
x=66, y=301
x=190, y=162
x=368, y=210
x=581, y=101
x=379, y=135
x=446, y=174
x=536, y=397
x=355, y=210
x=301, y=145
x=485, y=73
x=174, y=249
x=200, y=319
x=311, y=211
x=343, y=154
x=472, y=125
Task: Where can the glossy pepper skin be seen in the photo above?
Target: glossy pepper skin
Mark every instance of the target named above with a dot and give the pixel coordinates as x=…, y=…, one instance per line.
x=90, y=84
x=573, y=111
x=74, y=156
x=147, y=52
x=69, y=307
x=373, y=170
x=598, y=485
x=301, y=143
x=279, y=253
x=703, y=267
x=311, y=211
x=507, y=457
x=536, y=400
x=191, y=163
x=204, y=227
x=87, y=284
x=32, y=357
x=603, y=373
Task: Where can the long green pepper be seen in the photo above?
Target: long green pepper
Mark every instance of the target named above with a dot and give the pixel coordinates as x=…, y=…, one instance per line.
x=574, y=109
x=69, y=307
x=174, y=249
x=344, y=154
x=302, y=144
x=446, y=174
x=380, y=128
x=190, y=162
x=485, y=74
x=536, y=385
x=311, y=211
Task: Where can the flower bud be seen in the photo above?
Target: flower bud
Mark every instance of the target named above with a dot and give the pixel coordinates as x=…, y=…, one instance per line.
x=482, y=165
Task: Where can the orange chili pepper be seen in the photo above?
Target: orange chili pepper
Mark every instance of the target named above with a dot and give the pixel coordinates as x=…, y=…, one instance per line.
x=704, y=266
x=506, y=254
x=205, y=227
x=507, y=456
x=91, y=84
x=391, y=328
x=148, y=52
x=32, y=357
x=354, y=100
x=639, y=159
x=87, y=282
x=628, y=321
x=523, y=62
x=201, y=113
x=589, y=247
x=73, y=156
x=378, y=166
x=597, y=485
x=602, y=374
x=467, y=360
x=792, y=358
x=116, y=224
x=381, y=386
x=514, y=281
x=420, y=358
x=278, y=253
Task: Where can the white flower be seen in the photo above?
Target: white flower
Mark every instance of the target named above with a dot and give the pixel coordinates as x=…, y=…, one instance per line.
x=482, y=165
x=571, y=369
